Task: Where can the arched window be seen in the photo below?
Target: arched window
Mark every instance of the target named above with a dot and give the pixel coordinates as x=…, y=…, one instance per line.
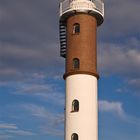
x=75, y=106
x=76, y=63
x=76, y=28
x=74, y=136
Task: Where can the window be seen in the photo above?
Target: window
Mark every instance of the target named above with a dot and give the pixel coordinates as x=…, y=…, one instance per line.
x=75, y=106
x=76, y=28
x=74, y=136
x=76, y=63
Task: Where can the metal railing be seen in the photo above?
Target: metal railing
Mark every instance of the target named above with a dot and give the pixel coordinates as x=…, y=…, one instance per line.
x=69, y=5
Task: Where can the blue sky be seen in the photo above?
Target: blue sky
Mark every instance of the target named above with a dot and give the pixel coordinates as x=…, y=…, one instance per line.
x=32, y=90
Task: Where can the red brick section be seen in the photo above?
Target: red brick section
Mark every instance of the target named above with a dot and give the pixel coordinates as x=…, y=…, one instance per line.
x=82, y=45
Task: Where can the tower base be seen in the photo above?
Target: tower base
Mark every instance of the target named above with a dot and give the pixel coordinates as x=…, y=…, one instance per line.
x=84, y=120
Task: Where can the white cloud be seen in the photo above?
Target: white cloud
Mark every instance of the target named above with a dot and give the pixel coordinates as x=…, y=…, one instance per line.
x=39, y=87
x=121, y=18
x=5, y=137
x=122, y=59
x=117, y=109
x=50, y=123
x=7, y=126
x=52, y=131
x=134, y=82
x=20, y=132
x=12, y=130
x=113, y=107
x=36, y=89
x=37, y=111
x=26, y=58
x=43, y=113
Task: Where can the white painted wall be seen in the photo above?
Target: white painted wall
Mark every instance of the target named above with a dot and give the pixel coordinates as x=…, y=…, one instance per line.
x=85, y=122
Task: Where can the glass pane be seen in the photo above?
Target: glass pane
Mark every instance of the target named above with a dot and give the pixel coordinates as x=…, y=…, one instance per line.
x=76, y=28
x=74, y=136
x=76, y=63
x=75, y=106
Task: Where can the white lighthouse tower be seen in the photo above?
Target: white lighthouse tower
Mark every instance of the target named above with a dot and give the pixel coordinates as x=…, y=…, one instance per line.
x=78, y=25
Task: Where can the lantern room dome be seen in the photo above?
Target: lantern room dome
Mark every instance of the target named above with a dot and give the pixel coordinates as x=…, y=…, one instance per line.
x=91, y=7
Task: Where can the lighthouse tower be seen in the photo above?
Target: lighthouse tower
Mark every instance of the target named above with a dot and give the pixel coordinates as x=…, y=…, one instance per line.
x=78, y=25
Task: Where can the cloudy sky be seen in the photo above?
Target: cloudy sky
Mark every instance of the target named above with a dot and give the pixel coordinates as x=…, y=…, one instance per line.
x=31, y=85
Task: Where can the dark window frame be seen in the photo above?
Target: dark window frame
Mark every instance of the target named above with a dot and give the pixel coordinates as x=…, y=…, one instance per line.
x=76, y=28
x=74, y=136
x=75, y=105
x=76, y=63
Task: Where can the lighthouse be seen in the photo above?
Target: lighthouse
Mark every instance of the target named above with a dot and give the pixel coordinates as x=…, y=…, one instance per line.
x=79, y=20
